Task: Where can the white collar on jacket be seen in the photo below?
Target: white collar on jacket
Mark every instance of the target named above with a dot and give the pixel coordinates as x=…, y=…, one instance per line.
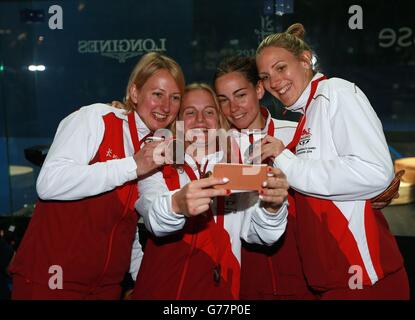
x=141, y=126
x=212, y=158
x=299, y=105
x=262, y=131
x=121, y=114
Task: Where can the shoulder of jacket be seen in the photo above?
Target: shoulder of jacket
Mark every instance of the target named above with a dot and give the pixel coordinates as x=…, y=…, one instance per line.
x=333, y=85
x=102, y=109
x=280, y=124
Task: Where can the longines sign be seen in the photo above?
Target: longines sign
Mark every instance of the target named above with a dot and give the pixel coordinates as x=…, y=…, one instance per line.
x=122, y=49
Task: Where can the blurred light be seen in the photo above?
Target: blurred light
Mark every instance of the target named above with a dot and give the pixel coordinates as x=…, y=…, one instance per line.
x=33, y=67
x=1, y=68
x=268, y=7
x=5, y=31
x=32, y=15
x=283, y=7
x=314, y=61
x=22, y=36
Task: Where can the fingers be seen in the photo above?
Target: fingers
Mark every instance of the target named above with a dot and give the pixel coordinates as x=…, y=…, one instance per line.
x=152, y=148
x=274, y=196
x=268, y=139
x=196, y=200
x=199, y=210
x=275, y=183
x=380, y=205
x=117, y=104
x=153, y=144
x=269, y=147
x=277, y=200
x=195, y=203
x=207, y=193
x=157, y=150
x=275, y=187
x=268, y=153
x=275, y=192
x=148, y=158
x=275, y=172
x=209, y=182
x=199, y=206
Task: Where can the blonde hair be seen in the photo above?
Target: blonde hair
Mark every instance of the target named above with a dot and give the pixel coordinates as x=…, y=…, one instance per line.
x=291, y=40
x=148, y=65
x=222, y=121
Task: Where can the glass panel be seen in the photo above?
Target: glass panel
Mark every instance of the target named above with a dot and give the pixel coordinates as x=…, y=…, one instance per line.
x=89, y=61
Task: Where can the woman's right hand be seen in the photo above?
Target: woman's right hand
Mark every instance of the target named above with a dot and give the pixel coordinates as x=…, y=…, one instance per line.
x=147, y=158
x=117, y=104
x=195, y=197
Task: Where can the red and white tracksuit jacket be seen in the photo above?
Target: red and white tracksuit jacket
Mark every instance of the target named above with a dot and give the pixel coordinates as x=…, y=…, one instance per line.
x=273, y=272
x=89, y=237
x=182, y=253
x=340, y=162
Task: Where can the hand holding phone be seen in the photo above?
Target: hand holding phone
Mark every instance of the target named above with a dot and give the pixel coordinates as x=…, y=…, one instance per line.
x=241, y=177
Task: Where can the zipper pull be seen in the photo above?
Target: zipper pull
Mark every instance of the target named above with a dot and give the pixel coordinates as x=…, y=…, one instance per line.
x=217, y=274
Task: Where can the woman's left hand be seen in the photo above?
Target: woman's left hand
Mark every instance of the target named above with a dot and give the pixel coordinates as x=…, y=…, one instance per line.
x=275, y=190
x=379, y=205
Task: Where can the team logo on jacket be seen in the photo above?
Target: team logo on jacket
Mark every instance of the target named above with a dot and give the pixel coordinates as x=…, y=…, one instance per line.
x=305, y=137
x=111, y=155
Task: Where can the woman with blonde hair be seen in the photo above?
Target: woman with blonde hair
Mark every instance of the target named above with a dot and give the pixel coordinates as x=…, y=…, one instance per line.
x=337, y=161
x=194, y=248
x=78, y=244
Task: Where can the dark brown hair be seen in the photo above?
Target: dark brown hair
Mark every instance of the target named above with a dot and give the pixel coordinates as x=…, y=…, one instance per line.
x=245, y=65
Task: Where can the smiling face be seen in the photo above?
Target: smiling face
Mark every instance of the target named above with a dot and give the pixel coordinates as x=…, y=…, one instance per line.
x=158, y=100
x=284, y=75
x=239, y=100
x=199, y=114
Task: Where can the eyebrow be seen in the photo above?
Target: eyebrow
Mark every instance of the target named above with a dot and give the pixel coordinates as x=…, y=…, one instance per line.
x=240, y=89
x=278, y=61
x=272, y=66
x=193, y=107
x=157, y=88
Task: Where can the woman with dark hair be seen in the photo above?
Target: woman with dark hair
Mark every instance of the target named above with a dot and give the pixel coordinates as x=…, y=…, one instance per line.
x=272, y=272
